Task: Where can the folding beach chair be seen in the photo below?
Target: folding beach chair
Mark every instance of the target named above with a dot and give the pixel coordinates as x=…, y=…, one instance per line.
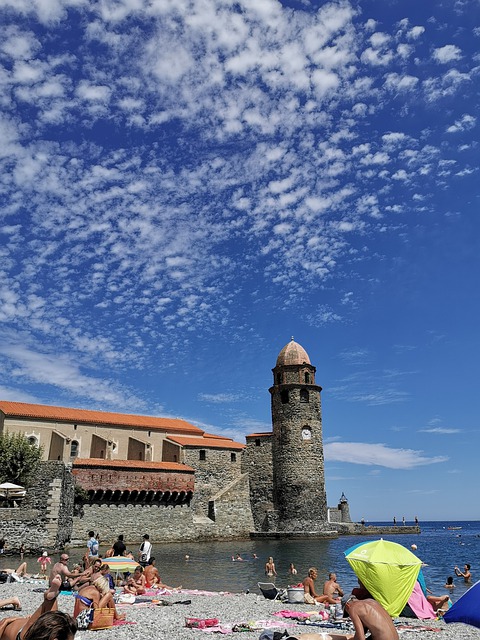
x=270, y=591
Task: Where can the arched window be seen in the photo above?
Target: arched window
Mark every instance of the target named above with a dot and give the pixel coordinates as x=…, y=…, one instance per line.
x=33, y=441
x=284, y=397
x=74, y=449
x=304, y=395
x=307, y=377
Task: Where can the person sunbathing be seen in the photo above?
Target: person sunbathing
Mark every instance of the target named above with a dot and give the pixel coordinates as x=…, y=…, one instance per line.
x=309, y=588
x=17, y=628
x=152, y=577
x=13, y=602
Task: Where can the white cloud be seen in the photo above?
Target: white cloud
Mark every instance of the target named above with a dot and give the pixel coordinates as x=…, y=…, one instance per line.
x=464, y=123
x=219, y=398
x=447, y=54
x=415, y=32
x=441, y=430
x=378, y=455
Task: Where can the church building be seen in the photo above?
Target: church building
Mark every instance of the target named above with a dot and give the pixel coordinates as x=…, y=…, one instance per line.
x=173, y=475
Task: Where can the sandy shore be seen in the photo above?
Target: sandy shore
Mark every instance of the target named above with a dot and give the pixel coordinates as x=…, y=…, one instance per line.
x=168, y=622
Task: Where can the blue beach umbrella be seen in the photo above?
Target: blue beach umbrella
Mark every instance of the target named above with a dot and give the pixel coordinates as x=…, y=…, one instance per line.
x=467, y=608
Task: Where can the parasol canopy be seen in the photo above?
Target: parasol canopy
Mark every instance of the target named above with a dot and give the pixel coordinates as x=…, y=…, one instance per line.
x=388, y=570
x=120, y=564
x=467, y=608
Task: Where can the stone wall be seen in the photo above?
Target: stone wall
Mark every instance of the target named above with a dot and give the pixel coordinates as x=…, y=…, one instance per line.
x=230, y=518
x=214, y=473
x=298, y=470
x=257, y=463
x=44, y=519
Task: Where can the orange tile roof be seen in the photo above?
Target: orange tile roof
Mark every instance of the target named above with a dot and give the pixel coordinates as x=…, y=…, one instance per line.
x=64, y=414
x=258, y=435
x=133, y=464
x=207, y=443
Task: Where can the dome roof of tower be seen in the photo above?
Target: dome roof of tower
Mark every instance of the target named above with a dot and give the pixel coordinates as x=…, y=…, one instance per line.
x=292, y=353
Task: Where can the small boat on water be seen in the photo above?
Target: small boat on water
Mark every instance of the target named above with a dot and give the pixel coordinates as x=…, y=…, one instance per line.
x=454, y=528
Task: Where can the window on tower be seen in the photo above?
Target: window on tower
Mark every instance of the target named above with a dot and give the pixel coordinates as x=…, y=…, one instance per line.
x=284, y=397
x=307, y=377
x=279, y=378
x=304, y=395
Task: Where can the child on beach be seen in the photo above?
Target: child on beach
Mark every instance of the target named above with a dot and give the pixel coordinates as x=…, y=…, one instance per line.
x=44, y=561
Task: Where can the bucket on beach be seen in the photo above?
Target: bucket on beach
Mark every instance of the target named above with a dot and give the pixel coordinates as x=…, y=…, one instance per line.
x=295, y=595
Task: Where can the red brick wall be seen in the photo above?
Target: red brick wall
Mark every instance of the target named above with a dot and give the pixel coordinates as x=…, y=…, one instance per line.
x=138, y=480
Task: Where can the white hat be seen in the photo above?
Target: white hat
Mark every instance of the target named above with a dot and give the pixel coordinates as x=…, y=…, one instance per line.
x=45, y=553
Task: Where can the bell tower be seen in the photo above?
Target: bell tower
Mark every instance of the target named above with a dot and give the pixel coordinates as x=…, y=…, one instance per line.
x=297, y=445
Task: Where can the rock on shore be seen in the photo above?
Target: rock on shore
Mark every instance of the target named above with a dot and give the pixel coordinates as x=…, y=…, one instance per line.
x=153, y=622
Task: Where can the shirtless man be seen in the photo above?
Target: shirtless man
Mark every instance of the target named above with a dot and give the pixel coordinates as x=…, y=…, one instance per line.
x=152, y=577
x=332, y=589
x=61, y=569
x=466, y=575
x=309, y=586
x=369, y=615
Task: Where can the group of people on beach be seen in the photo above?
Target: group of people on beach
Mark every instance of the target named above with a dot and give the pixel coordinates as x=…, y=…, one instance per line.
x=93, y=587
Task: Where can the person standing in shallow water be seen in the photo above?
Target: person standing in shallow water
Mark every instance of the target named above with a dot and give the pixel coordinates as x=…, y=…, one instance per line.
x=466, y=575
x=270, y=570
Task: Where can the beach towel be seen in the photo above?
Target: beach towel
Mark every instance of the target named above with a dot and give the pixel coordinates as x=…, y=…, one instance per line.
x=420, y=605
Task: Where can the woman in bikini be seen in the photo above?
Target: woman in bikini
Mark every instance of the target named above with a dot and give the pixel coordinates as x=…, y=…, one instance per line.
x=98, y=596
x=270, y=568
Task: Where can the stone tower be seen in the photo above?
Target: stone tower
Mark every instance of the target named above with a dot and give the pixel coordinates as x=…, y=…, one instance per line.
x=299, y=496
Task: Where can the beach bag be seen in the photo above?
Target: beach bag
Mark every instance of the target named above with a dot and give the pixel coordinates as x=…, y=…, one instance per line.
x=84, y=619
x=102, y=619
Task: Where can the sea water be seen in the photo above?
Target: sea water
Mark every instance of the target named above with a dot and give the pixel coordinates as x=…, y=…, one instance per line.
x=209, y=565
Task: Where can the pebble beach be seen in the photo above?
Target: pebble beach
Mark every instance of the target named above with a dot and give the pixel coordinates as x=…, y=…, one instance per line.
x=151, y=621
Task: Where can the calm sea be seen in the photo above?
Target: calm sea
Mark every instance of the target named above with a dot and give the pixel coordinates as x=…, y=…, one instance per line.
x=210, y=564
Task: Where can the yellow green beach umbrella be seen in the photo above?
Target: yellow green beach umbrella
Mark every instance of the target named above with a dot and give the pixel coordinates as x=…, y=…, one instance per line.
x=388, y=570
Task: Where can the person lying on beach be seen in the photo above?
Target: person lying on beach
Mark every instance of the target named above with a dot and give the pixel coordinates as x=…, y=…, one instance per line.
x=13, y=602
x=98, y=596
x=439, y=603
x=332, y=589
x=17, y=628
x=18, y=573
x=369, y=615
x=309, y=589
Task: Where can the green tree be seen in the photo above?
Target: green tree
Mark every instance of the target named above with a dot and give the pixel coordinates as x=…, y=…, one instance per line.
x=19, y=459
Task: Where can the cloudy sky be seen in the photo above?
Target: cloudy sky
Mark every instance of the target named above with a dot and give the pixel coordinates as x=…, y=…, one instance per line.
x=186, y=185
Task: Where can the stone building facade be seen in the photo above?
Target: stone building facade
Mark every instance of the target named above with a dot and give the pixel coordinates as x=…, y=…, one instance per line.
x=286, y=466
x=169, y=478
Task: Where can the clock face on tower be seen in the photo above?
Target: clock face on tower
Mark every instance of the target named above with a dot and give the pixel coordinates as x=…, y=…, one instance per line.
x=306, y=434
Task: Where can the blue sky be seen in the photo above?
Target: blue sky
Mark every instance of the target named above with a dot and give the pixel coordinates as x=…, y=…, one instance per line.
x=186, y=185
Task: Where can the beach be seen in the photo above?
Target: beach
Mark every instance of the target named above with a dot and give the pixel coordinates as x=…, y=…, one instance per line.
x=149, y=621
